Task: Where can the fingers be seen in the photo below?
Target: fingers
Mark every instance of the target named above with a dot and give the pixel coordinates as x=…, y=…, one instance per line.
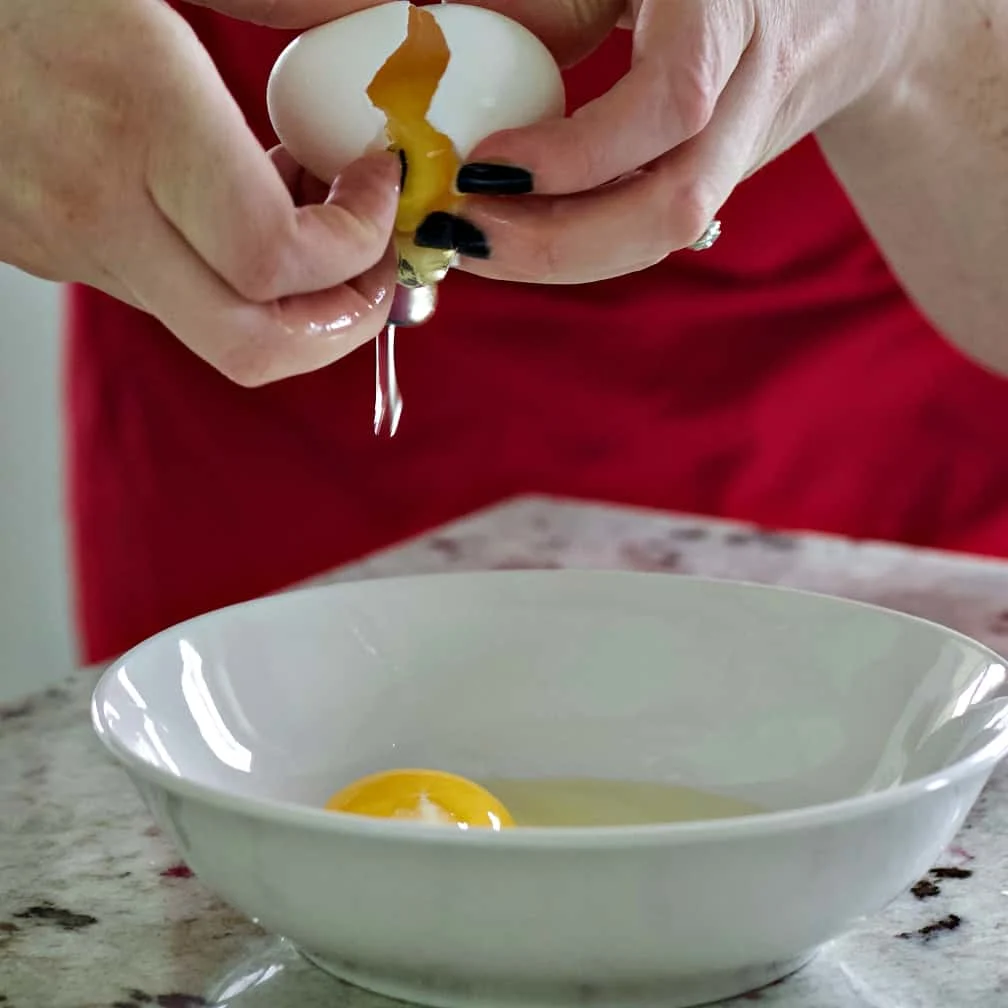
x=286, y=13
x=570, y=29
x=621, y=228
x=209, y=177
x=685, y=53
x=251, y=343
x=633, y=223
x=258, y=287
x=135, y=172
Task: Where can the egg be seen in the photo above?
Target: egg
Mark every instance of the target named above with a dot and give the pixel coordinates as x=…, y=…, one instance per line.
x=428, y=796
x=429, y=82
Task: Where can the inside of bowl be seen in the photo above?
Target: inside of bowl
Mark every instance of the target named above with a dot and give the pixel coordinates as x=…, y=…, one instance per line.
x=780, y=698
x=958, y=738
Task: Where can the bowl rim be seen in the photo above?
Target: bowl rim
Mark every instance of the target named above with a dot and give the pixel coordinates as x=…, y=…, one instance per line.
x=323, y=821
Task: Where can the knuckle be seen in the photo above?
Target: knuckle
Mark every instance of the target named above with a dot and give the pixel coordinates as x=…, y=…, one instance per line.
x=688, y=214
x=258, y=268
x=694, y=93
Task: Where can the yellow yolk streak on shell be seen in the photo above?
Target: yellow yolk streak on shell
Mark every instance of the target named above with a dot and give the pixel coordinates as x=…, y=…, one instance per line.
x=403, y=90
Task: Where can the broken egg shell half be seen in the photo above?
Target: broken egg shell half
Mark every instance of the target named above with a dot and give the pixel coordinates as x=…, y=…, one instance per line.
x=500, y=76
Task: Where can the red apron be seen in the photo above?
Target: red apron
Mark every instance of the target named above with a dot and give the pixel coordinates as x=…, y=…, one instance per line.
x=781, y=377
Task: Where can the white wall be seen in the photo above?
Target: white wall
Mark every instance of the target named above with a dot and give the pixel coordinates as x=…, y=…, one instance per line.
x=36, y=642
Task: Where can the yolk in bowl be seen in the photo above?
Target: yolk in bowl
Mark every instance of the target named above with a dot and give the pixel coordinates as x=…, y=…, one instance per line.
x=440, y=798
x=431, y=796
x=403, y=89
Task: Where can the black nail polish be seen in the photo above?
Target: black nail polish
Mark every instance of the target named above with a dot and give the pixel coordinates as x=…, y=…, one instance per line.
x=494, y=180
x=403, y=169
x=446, y=232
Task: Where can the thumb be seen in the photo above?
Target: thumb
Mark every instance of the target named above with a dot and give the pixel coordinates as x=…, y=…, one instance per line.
x=571, y=29
x=286, y=13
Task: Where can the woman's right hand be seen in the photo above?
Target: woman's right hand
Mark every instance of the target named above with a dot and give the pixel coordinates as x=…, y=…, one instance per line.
x=125, y=164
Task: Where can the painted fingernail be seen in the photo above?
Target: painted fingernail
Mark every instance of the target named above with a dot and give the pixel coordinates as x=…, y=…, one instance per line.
x=494, y=180
x=447, y=232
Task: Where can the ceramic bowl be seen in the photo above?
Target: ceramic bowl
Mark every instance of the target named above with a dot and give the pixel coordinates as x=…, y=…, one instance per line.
x=865, y=734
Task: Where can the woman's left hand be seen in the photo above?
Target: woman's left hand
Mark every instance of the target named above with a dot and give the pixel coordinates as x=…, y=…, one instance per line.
x=717, y=89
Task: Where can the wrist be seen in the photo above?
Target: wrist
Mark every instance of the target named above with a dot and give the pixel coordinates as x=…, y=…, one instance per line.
x=895, y=103
x=913, y=31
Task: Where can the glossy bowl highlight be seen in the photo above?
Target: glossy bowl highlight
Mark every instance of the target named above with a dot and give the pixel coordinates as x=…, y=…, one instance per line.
x=866, y=734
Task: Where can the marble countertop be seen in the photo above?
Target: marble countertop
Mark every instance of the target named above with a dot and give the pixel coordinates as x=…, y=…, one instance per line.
x=95, y=911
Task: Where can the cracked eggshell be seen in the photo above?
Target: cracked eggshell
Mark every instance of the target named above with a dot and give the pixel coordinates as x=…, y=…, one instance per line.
x=500, y=76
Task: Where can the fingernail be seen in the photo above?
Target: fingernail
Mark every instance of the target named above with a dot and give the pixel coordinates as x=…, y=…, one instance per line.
x=447, y=232
x=494, y=180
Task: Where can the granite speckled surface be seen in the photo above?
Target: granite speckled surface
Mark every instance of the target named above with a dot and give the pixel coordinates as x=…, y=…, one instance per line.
x=95, y=911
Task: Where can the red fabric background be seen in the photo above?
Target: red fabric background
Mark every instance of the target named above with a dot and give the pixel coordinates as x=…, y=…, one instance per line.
x=781, y=377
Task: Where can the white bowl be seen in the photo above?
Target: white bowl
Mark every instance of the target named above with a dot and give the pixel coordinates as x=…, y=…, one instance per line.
x=868, y=734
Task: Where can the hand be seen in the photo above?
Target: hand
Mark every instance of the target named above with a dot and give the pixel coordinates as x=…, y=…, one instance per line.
x=126, y=165
x=717, y=89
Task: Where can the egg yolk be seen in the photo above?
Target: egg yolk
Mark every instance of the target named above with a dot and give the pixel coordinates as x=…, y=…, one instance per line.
x=430, y=796
x=403, y=89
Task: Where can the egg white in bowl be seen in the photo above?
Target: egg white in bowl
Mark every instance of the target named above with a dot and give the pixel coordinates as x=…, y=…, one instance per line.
x=865, y=735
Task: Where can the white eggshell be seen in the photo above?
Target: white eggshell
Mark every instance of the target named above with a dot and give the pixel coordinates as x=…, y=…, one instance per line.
x=317, y=91
x=500, y=76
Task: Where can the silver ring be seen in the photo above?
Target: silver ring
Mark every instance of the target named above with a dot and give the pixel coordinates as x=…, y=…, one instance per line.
x=707, y=239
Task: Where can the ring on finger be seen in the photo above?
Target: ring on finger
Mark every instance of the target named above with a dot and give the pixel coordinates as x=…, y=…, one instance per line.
x=711, y=234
